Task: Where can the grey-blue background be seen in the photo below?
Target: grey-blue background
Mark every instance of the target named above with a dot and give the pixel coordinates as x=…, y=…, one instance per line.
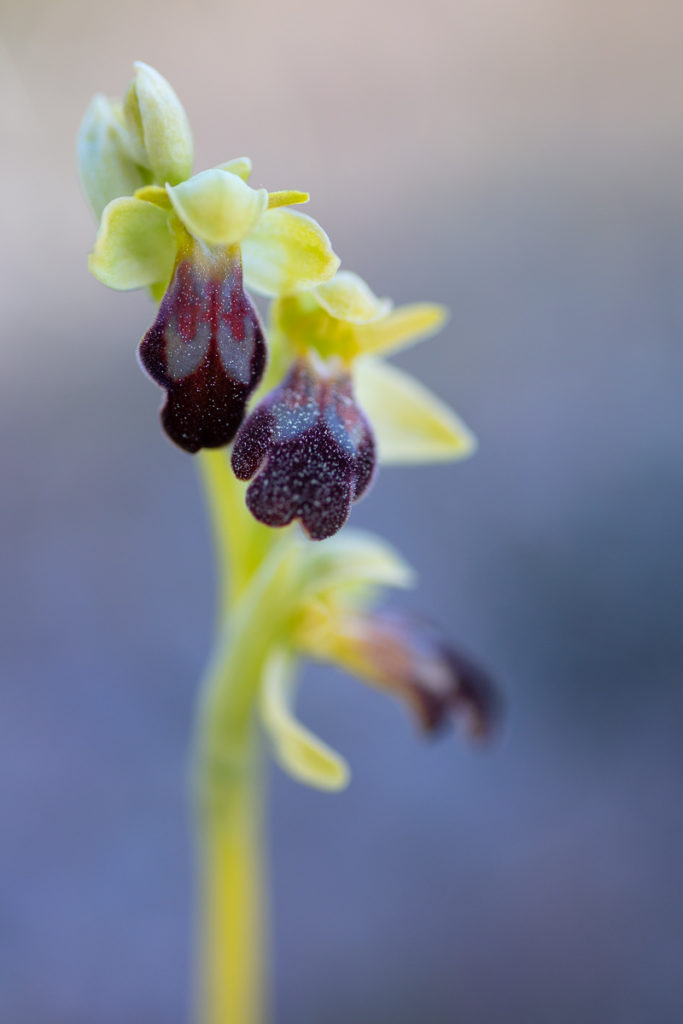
x=522, y=163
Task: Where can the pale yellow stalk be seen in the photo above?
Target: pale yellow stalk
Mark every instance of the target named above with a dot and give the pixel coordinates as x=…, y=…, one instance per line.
x=255, y=581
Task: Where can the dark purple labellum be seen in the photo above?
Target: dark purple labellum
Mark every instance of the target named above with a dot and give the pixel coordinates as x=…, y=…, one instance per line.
x=410, y=658
x=206, y=347
x=312, y=450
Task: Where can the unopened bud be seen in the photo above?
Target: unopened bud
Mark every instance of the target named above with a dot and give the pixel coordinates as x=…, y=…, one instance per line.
x=105, y=163
x=158, y=128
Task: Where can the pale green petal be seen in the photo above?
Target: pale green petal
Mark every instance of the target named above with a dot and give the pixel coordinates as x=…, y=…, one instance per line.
x=158, y=126
x=106, y=168
x=403, y=327
x=154, y=194
x=348, y=297
x=287, y=252
x=353, y=559
x=299, y=752
x=287, y=197
x=241, y=166
x=411, y=424
x=218, y=207
x=134, y=245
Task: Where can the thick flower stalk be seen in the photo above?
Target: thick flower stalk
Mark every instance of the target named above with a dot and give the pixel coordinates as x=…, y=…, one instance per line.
x=326, y=409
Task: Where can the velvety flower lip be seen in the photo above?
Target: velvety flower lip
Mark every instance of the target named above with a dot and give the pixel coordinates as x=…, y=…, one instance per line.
x=405, y=656
x=343, y=317
x=410, y=658
x=445, y=682
x=206, y=347
x=311, y=448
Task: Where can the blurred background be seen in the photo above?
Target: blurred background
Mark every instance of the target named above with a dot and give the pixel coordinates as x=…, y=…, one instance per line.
x=522, y=162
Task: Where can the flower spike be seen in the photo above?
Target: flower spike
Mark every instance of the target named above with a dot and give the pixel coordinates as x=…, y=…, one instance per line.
x=312, y=450
x=308, y=451
x=206, y=347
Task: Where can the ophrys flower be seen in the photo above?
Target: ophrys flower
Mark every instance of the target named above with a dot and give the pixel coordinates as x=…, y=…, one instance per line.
x=197, y=241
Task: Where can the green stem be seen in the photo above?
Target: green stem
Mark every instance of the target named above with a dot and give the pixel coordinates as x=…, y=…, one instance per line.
x=231, y=971
x=255, y=584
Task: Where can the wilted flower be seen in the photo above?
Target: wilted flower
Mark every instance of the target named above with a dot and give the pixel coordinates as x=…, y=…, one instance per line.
x=196, y=240
x=311, y=448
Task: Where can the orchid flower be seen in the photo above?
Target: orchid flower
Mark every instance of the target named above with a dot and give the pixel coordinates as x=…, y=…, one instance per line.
x=312, y=443
x=197, y=241
x=326, y=409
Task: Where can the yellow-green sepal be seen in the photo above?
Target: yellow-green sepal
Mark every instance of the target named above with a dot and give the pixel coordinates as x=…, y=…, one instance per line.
x=217, y=207
x=411, y=424
x=401, y=328
x=347, y=297
x=158, y=127
x=241, y=166
x=135, y=246
x=106, y=168
x=352, y=562
x=287, y=252
x=301, y=323
x=299, y=752
x=287, y=197
x=154, y=194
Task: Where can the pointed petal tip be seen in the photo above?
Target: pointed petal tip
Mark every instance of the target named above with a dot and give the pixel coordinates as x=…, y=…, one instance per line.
x=287, y=197
x=346, y=296
x=411, y=423
x=241, y=166
x=402, y=327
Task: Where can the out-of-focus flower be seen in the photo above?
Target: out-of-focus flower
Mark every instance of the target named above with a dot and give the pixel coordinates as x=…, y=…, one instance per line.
x=196, y=241
x=407, y=657
x=334, y=621
x=311, y=448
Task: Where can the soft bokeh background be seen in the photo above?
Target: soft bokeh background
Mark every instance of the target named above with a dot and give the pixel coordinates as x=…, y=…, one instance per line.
x=522, y=161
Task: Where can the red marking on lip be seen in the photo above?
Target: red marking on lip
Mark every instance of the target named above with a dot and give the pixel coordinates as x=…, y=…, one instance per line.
x=205, y=407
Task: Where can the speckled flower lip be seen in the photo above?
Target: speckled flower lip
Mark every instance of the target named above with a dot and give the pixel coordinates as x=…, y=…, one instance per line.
x=206, y=347
x=312, y=451
x=410, y=657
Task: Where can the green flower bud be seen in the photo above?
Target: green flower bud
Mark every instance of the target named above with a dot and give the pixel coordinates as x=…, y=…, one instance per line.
x=105, y=164
x=158, y=129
